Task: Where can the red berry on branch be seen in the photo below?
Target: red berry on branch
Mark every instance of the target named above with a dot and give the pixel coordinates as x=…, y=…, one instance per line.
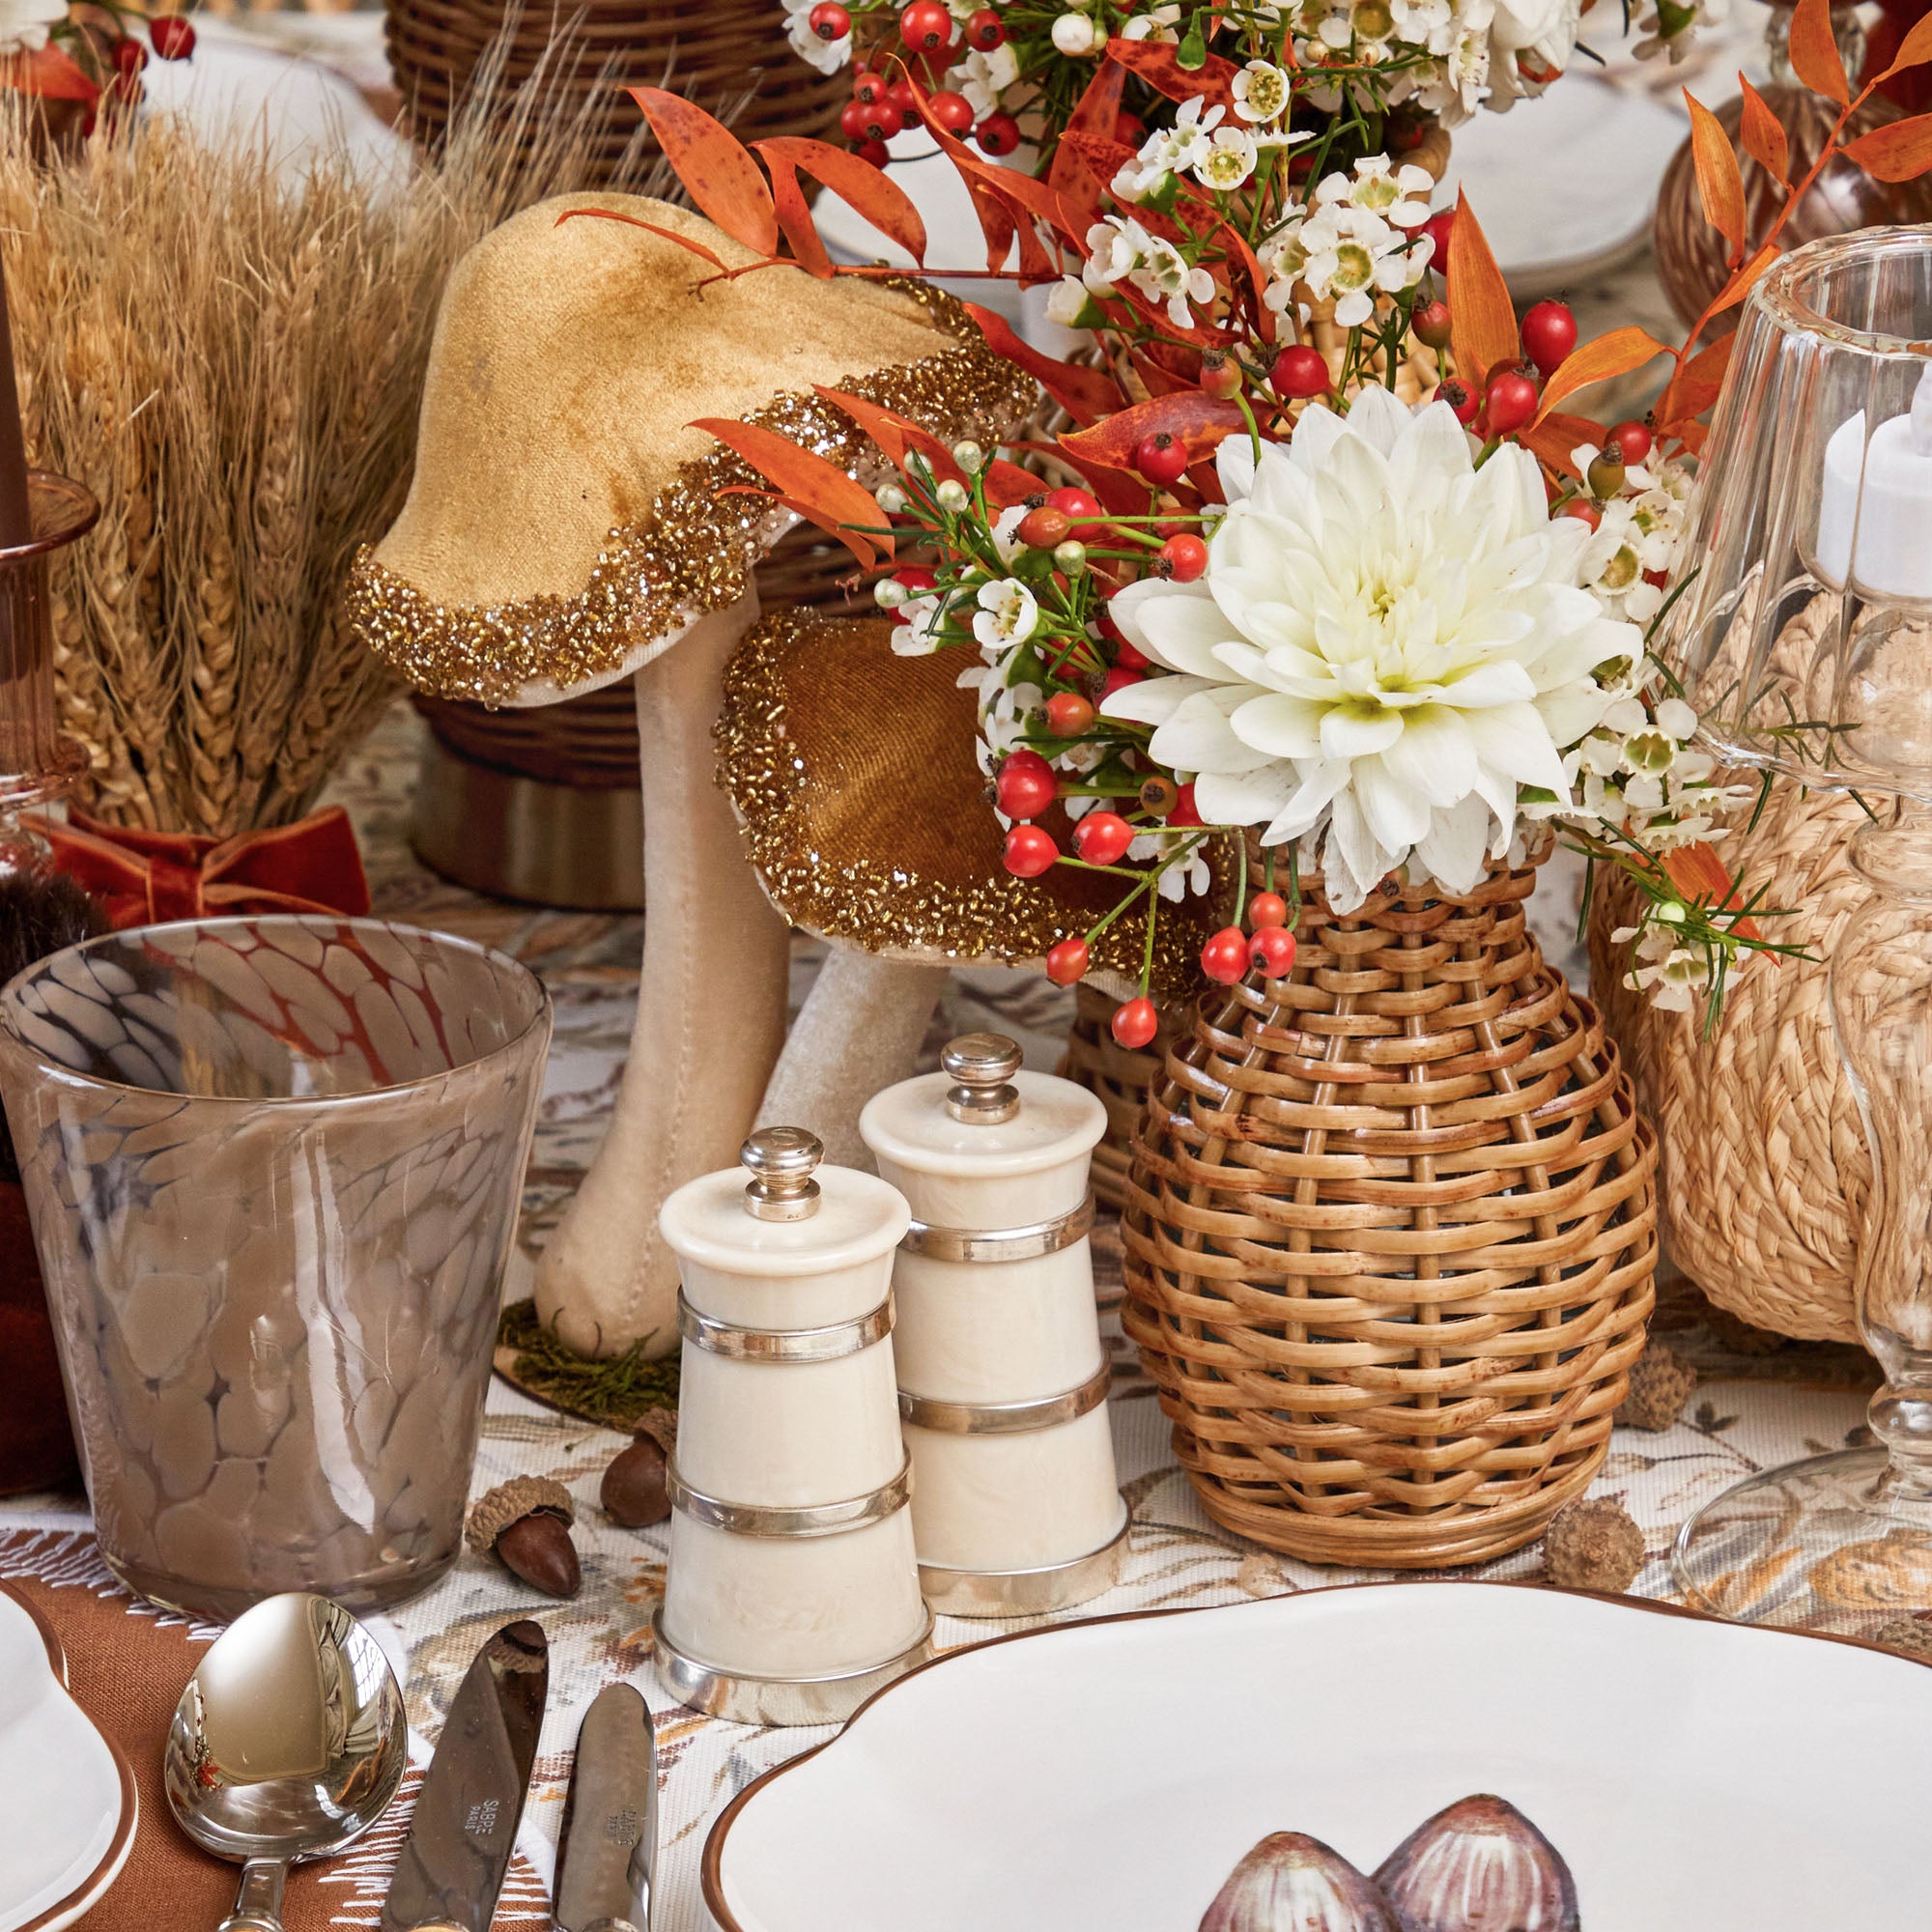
x=1299, y=371
x=916, y=578
x=829, y=20
x=1182, y=558
x=129, y=55
x=1134, y=1024
x=1081, y=509
x=1266, y=909
x=1510, y=401
x=868, y=86
x=1633, y=439
x=986, y=31
x=1118, y=679
x=863, y=120
x=904, y=102
x=1460, y=399
x=171, y=36
x=1184, y=811
x=1126, y=653
x=1129, y=130
x=1431, y=323
x=926, y=26
x=1029, y=851
x=997, y=135
x=876, y=152
x=1102, y=837
x=1220, y=375
x=1026, y=785
x=1584, y=510
x=1548, y=334
x=1044, y=527
x=1225, y=957
x=1161, y=458
x=1272, y=950
x=1066, y=963
x=1068, y=714
x=1438, y=228
x=952, y=111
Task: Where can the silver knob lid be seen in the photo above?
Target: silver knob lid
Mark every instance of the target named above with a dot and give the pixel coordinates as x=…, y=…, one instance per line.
x=981, y=1066
x=781, y=1162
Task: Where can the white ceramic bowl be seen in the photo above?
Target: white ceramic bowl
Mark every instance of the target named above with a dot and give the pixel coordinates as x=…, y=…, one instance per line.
x=1700, y=1777
x=67, y=1806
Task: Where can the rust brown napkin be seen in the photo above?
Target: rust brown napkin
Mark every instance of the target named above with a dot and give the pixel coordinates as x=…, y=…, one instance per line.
x=127, y=1664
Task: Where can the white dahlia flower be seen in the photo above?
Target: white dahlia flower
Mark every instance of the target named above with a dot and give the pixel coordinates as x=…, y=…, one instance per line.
x=1386, y=645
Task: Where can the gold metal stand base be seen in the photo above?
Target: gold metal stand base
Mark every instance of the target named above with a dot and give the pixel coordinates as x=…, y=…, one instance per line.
x=518, y=838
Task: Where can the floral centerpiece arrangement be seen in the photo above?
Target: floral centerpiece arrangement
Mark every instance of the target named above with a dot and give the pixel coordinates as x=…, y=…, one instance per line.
x=86, y=58
x=1251, y=588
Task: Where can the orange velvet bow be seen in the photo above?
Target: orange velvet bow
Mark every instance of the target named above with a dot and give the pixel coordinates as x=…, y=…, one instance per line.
x=146, y=878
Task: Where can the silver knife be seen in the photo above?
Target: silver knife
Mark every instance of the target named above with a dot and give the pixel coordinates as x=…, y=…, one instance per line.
x=465, y=1825
x=607, y=1872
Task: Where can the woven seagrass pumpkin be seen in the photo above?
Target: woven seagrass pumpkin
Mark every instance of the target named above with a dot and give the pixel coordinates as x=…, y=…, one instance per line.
x=1390, y=1236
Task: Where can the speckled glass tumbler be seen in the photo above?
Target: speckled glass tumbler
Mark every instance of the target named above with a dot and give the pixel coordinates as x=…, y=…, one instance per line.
x=273, y=1167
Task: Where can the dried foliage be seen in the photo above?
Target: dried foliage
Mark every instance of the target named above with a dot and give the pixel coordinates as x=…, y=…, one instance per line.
x=233, y=364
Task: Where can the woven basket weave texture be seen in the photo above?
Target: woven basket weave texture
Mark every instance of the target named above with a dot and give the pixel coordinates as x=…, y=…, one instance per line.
x=1391, y=1233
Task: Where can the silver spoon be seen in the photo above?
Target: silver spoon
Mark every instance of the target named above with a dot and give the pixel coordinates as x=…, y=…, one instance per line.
x=289, y=1742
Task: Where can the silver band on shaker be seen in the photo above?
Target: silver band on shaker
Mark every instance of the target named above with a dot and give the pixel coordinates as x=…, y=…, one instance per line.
x=828, y=1344
x=790, y=1519
x=1006, y=1418
x=1000, y=1244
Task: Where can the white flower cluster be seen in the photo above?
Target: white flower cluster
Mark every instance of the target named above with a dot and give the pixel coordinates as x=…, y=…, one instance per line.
x=1119, y=249
x=1640, y=539
x=1666, y=30
x=1219, y=151
x=1356, y=242
x=1450, y=56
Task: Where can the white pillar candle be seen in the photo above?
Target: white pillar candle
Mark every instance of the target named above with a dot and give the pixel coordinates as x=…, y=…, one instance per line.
x=1882, y=489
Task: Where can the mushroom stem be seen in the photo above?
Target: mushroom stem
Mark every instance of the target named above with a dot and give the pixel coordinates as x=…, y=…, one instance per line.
x=860, y=1029
x=711, y=1016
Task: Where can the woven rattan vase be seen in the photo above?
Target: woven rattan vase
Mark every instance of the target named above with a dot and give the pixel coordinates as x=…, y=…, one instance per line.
x=1390, y=1236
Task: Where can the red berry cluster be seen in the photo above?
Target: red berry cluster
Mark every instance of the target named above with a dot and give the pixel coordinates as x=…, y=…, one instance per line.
x=882, y=107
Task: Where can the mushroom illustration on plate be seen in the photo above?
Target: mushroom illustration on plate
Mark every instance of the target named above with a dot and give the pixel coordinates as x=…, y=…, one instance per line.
x=577, y=516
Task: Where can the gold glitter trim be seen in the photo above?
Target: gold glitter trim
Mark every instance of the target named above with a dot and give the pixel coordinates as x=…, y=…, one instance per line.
x=692, y=551
x=866, y=819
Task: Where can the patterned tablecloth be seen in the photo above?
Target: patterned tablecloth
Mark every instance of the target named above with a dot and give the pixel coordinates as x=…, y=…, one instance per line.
x=1751, y=1410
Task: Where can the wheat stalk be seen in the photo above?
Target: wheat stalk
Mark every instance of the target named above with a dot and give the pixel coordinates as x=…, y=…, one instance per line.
x=234, y=366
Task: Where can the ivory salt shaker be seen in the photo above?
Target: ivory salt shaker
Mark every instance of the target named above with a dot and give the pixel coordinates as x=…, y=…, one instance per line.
x=1003, y=1378
x=792, y=1591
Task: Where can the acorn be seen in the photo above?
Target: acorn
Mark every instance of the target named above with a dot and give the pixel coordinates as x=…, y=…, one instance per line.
x=1292, y=1882
x=634, y=1491
x=1480, y=1865
x=524, y=1524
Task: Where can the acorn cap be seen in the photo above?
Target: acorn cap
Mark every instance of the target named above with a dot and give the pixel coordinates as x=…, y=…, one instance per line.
x=489, y=1516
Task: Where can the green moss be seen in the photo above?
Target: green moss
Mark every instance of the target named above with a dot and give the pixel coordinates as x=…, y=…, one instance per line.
x=615, y=1393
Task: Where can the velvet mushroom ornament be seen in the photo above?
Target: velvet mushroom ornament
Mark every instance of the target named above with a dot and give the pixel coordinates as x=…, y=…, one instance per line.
x=577, y=516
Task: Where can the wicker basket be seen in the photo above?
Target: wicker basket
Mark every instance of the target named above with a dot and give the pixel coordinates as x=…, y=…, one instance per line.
x=1390, y=1236
x=1764, y=1169
x=730, y=56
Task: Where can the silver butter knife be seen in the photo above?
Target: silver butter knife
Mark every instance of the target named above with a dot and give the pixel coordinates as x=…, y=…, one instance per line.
x=465, y=1825
x=607, y=1872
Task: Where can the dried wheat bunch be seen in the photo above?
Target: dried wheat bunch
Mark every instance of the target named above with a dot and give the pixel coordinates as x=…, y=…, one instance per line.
x=234, y=366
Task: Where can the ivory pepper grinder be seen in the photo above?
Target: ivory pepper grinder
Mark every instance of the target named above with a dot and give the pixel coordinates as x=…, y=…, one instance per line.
x=1003, y=1378
x=793, y=1589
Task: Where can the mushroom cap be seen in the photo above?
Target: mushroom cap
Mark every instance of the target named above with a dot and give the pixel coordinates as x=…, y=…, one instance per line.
x=866, y=817
x=563, y=525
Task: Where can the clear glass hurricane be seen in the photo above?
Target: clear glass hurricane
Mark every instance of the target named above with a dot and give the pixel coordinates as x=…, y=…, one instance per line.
x=1802, y=636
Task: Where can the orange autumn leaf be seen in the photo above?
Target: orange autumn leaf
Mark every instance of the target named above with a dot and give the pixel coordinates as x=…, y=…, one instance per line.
x=794, y=216
x=48, y=72
x=1085, y=394
x=867, y=190
x=1763, y=134
x=861, y=543
x=811, y=486
x=1694, y=386
x=689, y=242
x=1158, y=63
x=1814, y=52
x=1199, y=423
x=1616, y=353
x=1739, y=284
x=1701, y=876
x=1719, y=186
x=1914, y=50
x=1553, y=438
x=1899, y=151
x=1482, y=321
x=715, y=166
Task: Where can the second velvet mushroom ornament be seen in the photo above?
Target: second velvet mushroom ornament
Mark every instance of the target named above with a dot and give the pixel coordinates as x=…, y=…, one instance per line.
x=579, y=514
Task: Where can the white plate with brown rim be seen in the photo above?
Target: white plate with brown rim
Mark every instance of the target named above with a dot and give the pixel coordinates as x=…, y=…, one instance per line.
x=1696, y=1775
x=68, y=1807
